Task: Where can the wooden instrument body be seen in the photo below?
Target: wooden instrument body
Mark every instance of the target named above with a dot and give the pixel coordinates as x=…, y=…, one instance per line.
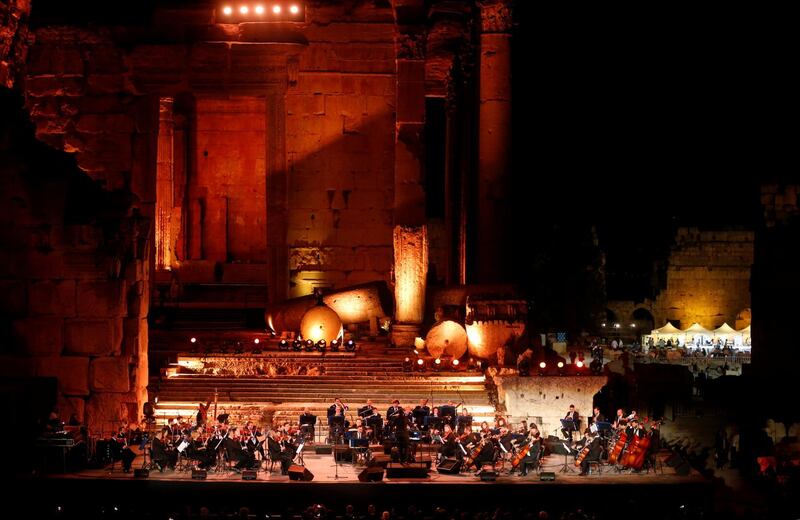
x=616, y=451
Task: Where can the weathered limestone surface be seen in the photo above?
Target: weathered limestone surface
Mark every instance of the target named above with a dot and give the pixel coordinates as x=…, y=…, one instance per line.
x=545, y=400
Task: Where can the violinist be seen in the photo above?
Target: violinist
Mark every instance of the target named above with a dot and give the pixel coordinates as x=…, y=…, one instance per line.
x=160, y=453
x=485, y=431
x=620, y=420
x=465, y=419
x=449, y=447
x=596, y=416
x=278, y=453
x=123, y=451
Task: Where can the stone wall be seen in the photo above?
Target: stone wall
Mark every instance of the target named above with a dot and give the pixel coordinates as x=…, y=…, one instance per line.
x=340, y=150
x=708, y=278
x=546, y=399
x=78, y=212
x=13, y=39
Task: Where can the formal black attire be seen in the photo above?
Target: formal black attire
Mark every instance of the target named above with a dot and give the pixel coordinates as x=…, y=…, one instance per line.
x=307, y=422
x=279, y=454
x=571, y=416
x=595, y=449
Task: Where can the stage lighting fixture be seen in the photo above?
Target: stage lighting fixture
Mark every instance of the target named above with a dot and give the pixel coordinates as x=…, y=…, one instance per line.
x=193, y=340
x=244, y=9
x=335, y=345
x=309, y=344
x=437, y=364
x=560, y=368
x=542, y=366
x=283, y=345
x=421, y=364
x=259, y=9
x=276, y=9
x=294, y=9
x=407, y=365
x=321, y=345
x=560, y=364
x=297, y=345
x=256, y=341
x=350, y=345
x=227, y=10
x=456, y=363
x=579, y=364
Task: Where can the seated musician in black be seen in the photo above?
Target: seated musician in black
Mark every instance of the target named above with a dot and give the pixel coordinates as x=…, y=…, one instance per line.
x=160, y=453
x=420, y=412
x=595, y=449
x=634, y=429
x=449, y=447
x=533, y=443
x=464, y=420
x=307, y=422
x=596, y=416
x=573, y=418
x=234, y=453
x=123, y=452
x=279, y=453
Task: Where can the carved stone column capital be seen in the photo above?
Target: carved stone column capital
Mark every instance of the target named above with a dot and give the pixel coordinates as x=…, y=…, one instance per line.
x=496, y=16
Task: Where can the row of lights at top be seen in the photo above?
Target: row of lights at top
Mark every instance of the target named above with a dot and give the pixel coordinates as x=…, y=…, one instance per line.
x=258, y=9
x=617, y=325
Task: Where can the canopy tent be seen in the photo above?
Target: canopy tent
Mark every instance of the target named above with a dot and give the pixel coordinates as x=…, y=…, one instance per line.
x=696, y=328
x=666, y=330
x=725, y=331
x=745, y=336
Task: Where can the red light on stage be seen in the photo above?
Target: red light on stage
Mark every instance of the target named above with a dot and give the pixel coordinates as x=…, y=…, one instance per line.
x=256, y=341
x=276, y=9
x=542, y=365
x=193, y=340
x=294, y=9
x=227, y=10
x=560, y=364
x=244, y=9
x=259, y=9
x=579, y=364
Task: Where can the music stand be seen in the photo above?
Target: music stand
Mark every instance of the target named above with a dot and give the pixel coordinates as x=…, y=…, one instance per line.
x=566, y=468
x=436, y=422
x=603, y=428
x=336, y=426
x=569, y=426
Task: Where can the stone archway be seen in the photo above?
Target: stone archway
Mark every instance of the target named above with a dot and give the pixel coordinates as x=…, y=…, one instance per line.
x=643, y=319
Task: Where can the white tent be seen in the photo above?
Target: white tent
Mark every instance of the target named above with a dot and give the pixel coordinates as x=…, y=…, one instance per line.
x=666, y=333
x=745, y=337
x=725, y=331
x=666, y=330
x=697, y=334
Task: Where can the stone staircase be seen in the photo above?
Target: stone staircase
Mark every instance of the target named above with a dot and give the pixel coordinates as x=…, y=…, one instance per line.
x=274, y=385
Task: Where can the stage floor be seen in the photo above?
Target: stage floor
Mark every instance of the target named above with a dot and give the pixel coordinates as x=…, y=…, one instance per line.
x=326, y=471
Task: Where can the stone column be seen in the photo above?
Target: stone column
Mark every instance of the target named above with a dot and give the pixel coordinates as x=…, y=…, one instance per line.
x=164, y=184
x=494, y=151
x=410, y=273
x=409, y=155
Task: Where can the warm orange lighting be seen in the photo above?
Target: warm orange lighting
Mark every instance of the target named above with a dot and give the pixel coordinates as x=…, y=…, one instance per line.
x=455, y=362
x=227, y=10
x=193, y=340
x=244, y=9
x=276, y=9
x=560, y=364
x=438, y=361
x=579, y=364
x=259, y=9
x=294, y=9
x=542, y=365
x=256, y=341
x=407, y=360
x=420, y=362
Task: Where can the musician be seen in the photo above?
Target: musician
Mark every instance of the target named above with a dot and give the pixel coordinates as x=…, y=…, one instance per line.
x=533, y=457
x=160, y=453
x=402, y=436
x=634, y=429
x=337, y=409
x=596, y=416
x=523, y=427
x=593, y=454
x=485, y=430
x=620, y=420
x=307, y=423
x=465, y=419
x=573, y=417
x=449, y=447
x=394, y=412
x=420, y=412
x=448, y=411
x=202, y=413
x=278, y=452
x=123, y=452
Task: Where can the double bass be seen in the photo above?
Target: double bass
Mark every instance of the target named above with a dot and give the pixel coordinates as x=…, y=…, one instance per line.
x=616, y=451
x=637, y=452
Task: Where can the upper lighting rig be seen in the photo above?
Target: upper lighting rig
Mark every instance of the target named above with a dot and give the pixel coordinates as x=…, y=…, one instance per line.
x=261, y=12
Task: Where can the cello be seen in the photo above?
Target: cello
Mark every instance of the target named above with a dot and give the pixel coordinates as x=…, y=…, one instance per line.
x=523, y=452
x=637, y=452
x=616, y=451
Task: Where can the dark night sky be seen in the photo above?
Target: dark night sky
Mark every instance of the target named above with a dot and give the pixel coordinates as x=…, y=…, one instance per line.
x=642, y=122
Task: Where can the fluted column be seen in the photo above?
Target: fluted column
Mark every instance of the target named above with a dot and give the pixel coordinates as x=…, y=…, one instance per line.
x=164, y=184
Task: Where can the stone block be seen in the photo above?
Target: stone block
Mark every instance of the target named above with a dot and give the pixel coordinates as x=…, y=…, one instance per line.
x=102, y=299
x=52, y=298
x=71, y=405
x=135, y=337
x=12, y=297
x=54, y=86
x=93, y=337
x=39, y=336
x=99, y=123
x=105, y=411
x=105, y=83
x=103, y=58
x=138, y=299
x=110, y=374
x=72, y=373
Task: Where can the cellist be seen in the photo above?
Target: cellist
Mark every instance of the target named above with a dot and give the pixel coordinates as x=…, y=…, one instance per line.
x=592, y=454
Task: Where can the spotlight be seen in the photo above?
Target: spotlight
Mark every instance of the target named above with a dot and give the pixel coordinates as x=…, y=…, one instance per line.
x=416, y=352
x=321, y=345
x=437, y=364
x=560, y=368
x=421, y=364
x=407, y=365
x=259, y=9
x=276, y=9
x=350, y=345
x=244, y=9
x=294, y=9
x=309, y=345
x=193, y=340
x=560, y=364
x=283, y=345
x=542, y=366
x=335, y=345
x=227, y=10
x=297, y=345
x=455, y=362
x=579, y=364
x=256, y=341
